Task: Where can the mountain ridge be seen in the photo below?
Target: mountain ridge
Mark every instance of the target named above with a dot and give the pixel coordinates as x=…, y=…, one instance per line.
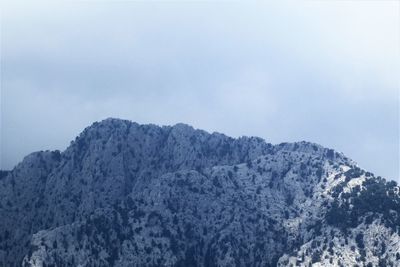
x=150, y=189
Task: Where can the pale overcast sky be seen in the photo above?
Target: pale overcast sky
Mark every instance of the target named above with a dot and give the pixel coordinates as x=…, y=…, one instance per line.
x=320, y=71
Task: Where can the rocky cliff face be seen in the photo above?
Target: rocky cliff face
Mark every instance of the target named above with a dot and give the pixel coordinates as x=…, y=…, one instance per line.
x=124, y=194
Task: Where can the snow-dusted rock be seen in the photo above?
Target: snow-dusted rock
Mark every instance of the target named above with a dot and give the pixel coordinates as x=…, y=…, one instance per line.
x=124, y=194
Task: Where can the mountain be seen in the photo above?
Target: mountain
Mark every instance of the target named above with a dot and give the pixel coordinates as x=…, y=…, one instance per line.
x=124, y=194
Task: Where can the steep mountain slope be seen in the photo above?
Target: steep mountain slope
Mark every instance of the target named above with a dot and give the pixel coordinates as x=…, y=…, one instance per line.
x=124, y=194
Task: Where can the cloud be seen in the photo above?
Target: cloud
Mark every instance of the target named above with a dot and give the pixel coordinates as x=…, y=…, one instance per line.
x=323, y=71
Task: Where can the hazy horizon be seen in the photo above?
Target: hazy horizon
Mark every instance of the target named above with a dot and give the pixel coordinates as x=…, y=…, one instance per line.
x=320, y=71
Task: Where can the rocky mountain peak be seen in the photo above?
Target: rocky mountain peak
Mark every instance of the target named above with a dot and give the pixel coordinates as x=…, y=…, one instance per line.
x=126, y=194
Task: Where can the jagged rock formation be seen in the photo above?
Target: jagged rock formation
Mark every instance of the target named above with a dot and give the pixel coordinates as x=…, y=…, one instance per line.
x=124, y=194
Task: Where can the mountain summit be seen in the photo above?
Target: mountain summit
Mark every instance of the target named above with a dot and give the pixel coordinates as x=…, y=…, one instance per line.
x=125, y=194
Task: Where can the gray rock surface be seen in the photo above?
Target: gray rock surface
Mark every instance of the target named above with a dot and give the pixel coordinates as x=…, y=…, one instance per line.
x=124, y=194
